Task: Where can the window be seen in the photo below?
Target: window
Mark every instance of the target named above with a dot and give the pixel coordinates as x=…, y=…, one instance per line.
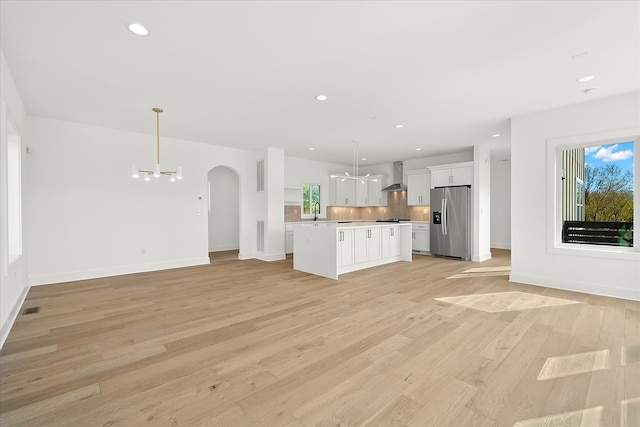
x=14, y=196
x=311, y=199
x=596, y=194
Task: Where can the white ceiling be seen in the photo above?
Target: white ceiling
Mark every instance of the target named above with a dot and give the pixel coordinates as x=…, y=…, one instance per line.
x=245, y=73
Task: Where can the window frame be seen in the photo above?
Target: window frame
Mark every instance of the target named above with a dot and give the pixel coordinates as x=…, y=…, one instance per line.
x=555, y=146
x=311, y=215
x=11, y=203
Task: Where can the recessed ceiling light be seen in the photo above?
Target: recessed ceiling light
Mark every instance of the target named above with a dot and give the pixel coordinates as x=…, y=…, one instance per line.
x=321, y=97
x=399, y=126
x=586, y=79
x=311, y=148
x=588, y=91
x=137, y=29
x=364, y=158
x=418, y=149
x=495, y=135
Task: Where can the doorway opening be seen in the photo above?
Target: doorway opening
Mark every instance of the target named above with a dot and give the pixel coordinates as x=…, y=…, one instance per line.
x=224, y=214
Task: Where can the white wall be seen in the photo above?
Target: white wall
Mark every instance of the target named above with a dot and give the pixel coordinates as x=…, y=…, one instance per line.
x=481, y=189
x=89, y=218
x=501, y=204
x=13, y=277
x=224, y=199
x=274, y=189
x=532, y=261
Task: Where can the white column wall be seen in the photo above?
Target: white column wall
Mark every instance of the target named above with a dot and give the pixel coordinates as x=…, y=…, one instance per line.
x=481, y=189
x=531, y=260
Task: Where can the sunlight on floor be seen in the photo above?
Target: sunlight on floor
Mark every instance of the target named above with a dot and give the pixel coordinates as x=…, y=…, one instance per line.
x=573, y=364
x=589, y=417
x=483, y=271
x=506, y=301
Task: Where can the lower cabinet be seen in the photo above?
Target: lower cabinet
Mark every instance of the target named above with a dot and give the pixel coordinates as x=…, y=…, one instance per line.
x=345, y=247
x=329, y=249
x=288, y=239
x=420, y=237
x=390, y=242
x=367, y=244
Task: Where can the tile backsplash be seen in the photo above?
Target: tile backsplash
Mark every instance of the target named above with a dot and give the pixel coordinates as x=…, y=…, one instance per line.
x=396, y=208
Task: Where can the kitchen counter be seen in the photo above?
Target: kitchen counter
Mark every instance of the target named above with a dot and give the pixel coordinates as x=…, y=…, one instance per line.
x=329, y=249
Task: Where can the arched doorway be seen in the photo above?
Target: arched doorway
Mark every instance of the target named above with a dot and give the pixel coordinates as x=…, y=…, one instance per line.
x=224, y=213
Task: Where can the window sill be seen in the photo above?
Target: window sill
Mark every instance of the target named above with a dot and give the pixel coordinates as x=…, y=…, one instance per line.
x=597, y=251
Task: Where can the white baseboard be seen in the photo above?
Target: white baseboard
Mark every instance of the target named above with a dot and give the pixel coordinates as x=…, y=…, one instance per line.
x=8, y=324
x=272, y=257
x=570, y=285
x=481, y=257
x=501, y=245
x=48, y=279
x=217, y=248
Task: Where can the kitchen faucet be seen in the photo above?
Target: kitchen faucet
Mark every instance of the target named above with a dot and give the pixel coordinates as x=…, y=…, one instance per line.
x=316, y=209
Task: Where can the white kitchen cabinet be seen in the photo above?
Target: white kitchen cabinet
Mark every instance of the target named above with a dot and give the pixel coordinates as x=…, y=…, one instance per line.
x=375, y=195
x=453, y=174
x=343, y=192
x=390, y=244
x=420, y=237
x=362, y=191
x=288, y=239
x=330, y=249
x=353, y=192
x=367, y=244
x=345, y=248
x=418, y=187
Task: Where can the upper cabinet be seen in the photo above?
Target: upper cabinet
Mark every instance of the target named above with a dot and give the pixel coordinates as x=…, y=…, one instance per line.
x=353, y=192
x=375, y=195
x=453, y=174
x=343, y=192
x=418, y=187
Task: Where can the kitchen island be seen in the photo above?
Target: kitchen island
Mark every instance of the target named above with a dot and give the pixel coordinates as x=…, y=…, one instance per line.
x=331, y=249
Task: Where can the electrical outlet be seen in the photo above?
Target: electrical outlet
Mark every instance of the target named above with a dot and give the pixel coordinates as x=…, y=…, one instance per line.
x=426, y=211
x=295, y=211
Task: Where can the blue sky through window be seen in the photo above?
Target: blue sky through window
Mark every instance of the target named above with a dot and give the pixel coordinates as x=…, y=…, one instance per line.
x=619, y=154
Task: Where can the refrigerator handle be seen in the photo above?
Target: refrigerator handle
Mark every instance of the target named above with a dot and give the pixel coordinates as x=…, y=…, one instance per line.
x=442, y=213
x=445, y=218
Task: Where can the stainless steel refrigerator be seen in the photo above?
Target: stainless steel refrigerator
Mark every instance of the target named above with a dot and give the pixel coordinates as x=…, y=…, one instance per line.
x=450, y=228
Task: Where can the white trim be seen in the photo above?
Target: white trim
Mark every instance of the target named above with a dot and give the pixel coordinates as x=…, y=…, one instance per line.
x=576, y=286
x=227, y=247
x=48, y=279
x=554, y=194
x=501, y=245
x=481, y=257
x=6, y=327
x=272, y=257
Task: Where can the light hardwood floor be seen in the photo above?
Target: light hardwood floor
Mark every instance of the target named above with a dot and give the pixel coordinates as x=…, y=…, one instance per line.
x=250, y=343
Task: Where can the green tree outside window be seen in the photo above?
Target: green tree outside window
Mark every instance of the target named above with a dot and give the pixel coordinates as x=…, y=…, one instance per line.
x=310, y=199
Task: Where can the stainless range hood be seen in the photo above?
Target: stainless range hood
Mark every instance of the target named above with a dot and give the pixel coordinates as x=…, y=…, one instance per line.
x=397, y=179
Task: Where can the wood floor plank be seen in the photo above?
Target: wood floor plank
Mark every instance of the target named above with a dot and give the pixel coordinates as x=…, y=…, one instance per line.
x=248, y=343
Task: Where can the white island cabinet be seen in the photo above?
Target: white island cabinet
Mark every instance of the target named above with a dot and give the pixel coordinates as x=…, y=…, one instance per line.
x=331, y=249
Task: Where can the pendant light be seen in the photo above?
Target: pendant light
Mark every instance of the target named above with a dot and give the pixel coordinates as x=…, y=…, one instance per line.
x=355, y=172
x=156, y=172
